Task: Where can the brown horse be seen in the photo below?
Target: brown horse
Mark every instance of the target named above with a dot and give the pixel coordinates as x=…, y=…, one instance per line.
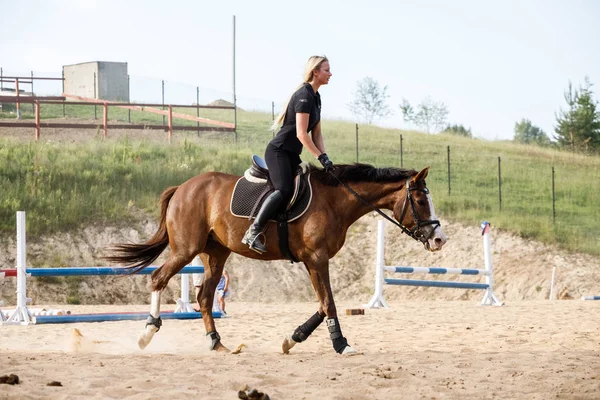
x=195, y=219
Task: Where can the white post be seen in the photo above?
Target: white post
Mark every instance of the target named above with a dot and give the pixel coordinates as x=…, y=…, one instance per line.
x=489, y=298
x=551, y=297
x=21, y=315
x=377, y=301
x=2, y=316
x=183, y=303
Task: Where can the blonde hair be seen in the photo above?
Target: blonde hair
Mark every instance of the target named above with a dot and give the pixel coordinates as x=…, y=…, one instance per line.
x=313, y=64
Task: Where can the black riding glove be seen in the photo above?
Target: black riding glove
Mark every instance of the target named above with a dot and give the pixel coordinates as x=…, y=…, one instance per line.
x=325, y=162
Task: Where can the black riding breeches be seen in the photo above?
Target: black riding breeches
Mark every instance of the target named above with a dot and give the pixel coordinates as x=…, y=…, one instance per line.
x=282, y=169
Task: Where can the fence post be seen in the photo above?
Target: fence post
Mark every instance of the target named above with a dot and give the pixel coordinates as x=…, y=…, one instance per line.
x=63, y=92
x=105, y=119
x=37, y=119
x=273, y=116
x=401, y=151
x=553, y=200
x=357, y=143
x=198, y=108
x=170, y=122
x=18, y=103
x=163, y=98
x=95, y=97
x=448, y=170
x=129, y=93
x=499, y=185
x=235, y=136
x=32, y=93
x=1, y=77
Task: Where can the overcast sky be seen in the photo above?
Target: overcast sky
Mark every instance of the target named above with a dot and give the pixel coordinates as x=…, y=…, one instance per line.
x=491, y=62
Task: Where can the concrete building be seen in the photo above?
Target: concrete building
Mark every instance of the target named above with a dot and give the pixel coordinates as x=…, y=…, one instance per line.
x=101, y=80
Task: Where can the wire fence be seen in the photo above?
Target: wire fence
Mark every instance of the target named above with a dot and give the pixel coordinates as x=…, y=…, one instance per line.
x=525, y=189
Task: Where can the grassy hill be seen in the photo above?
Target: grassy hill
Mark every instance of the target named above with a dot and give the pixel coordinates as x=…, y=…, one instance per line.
x=72, y=178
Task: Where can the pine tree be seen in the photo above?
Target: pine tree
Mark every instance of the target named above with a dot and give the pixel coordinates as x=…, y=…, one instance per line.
x=578, y=128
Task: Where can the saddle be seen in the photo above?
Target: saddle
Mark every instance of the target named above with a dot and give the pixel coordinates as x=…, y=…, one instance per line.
x=251, y=190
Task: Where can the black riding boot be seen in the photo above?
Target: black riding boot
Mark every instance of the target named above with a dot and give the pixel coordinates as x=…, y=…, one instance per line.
x=268, y=208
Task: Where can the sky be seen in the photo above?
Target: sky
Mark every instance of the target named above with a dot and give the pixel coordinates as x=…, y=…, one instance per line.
x=491, y=62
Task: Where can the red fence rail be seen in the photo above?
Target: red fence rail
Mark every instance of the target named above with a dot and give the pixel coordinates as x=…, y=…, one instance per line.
x=218, y=126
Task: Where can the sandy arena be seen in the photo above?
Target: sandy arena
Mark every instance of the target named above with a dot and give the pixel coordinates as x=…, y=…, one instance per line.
x=432, y=344
x=416, y=349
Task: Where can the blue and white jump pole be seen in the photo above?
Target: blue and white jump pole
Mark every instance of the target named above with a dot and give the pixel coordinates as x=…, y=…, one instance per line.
x=590, y=297
x=378, y=301
x=23, y=316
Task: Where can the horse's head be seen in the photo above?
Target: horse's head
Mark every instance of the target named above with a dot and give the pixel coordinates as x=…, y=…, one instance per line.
x=415, y=211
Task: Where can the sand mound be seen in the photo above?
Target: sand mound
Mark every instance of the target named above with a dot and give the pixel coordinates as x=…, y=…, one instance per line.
x=523, y=268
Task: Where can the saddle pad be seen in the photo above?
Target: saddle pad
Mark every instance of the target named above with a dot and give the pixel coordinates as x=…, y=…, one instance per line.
x=246, y=194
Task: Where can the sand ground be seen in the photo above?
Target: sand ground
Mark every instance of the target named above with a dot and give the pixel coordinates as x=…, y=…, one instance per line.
x=416, y=349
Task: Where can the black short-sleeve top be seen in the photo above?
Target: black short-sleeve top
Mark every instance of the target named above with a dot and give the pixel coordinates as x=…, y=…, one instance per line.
x=304, y=100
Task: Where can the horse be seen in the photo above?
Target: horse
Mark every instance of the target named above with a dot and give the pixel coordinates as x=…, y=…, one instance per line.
x=196, y=219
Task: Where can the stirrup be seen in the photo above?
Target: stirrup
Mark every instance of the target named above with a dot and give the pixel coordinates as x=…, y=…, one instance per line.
x=252, y=241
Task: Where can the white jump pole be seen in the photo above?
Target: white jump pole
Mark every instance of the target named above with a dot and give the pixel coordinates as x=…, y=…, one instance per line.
x=551, y=297
x=183, y=303
x=377, y=301
x=21, y=315
x=489, y=298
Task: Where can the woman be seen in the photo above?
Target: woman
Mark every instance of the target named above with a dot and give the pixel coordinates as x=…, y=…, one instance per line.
x=301, y=115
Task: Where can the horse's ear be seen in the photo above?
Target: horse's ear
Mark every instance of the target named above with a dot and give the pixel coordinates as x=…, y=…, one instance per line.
x=421, y=175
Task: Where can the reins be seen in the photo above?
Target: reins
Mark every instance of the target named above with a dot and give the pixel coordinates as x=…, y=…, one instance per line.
x=418, y=222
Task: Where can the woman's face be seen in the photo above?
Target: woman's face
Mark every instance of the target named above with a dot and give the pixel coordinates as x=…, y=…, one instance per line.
x=323, y=74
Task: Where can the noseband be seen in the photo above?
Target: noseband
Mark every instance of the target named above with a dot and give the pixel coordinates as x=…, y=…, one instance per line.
x=415, y=233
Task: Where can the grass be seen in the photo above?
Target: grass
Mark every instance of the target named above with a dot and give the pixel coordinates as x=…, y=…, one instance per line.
x=64, y=186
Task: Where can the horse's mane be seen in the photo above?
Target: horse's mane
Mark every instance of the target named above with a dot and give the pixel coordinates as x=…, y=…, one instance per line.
x=359, y=173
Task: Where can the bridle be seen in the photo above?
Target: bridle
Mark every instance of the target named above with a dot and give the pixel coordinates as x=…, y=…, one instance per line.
x=416, y=232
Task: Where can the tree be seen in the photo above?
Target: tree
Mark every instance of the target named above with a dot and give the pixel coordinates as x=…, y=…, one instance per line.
x=369, y=102
x=579, y=127
x=526, y=132
x=458, y=130
x=429, y=115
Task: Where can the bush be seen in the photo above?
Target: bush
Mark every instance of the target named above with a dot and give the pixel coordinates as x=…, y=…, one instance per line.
x=458, y=130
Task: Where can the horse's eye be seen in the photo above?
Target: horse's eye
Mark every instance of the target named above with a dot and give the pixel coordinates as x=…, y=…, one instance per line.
x=421, y=202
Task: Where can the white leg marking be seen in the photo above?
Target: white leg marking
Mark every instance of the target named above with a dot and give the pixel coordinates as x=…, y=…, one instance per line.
x=349, y=351
x=288, y=343
x=146, y=336
x=155, y=304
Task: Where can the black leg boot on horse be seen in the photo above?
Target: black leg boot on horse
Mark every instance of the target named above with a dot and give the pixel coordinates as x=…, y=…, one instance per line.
x=268, y=208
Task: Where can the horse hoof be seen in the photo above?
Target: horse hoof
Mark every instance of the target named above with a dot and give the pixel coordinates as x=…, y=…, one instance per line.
x=349, y=351
x=287, y=344
x=143, y=341
x=221, y=349
x=146, y=336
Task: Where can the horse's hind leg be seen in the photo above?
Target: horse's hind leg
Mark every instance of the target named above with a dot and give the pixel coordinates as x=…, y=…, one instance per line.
x=160, y=279
x=213, y=257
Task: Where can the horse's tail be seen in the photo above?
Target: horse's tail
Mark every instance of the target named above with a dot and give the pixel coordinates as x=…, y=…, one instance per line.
x=139, y=256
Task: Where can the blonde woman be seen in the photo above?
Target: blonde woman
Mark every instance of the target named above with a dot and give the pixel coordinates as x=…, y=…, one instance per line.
x=300, y=116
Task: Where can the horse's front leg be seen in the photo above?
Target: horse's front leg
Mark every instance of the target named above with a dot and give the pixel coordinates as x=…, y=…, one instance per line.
x=319, y=276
